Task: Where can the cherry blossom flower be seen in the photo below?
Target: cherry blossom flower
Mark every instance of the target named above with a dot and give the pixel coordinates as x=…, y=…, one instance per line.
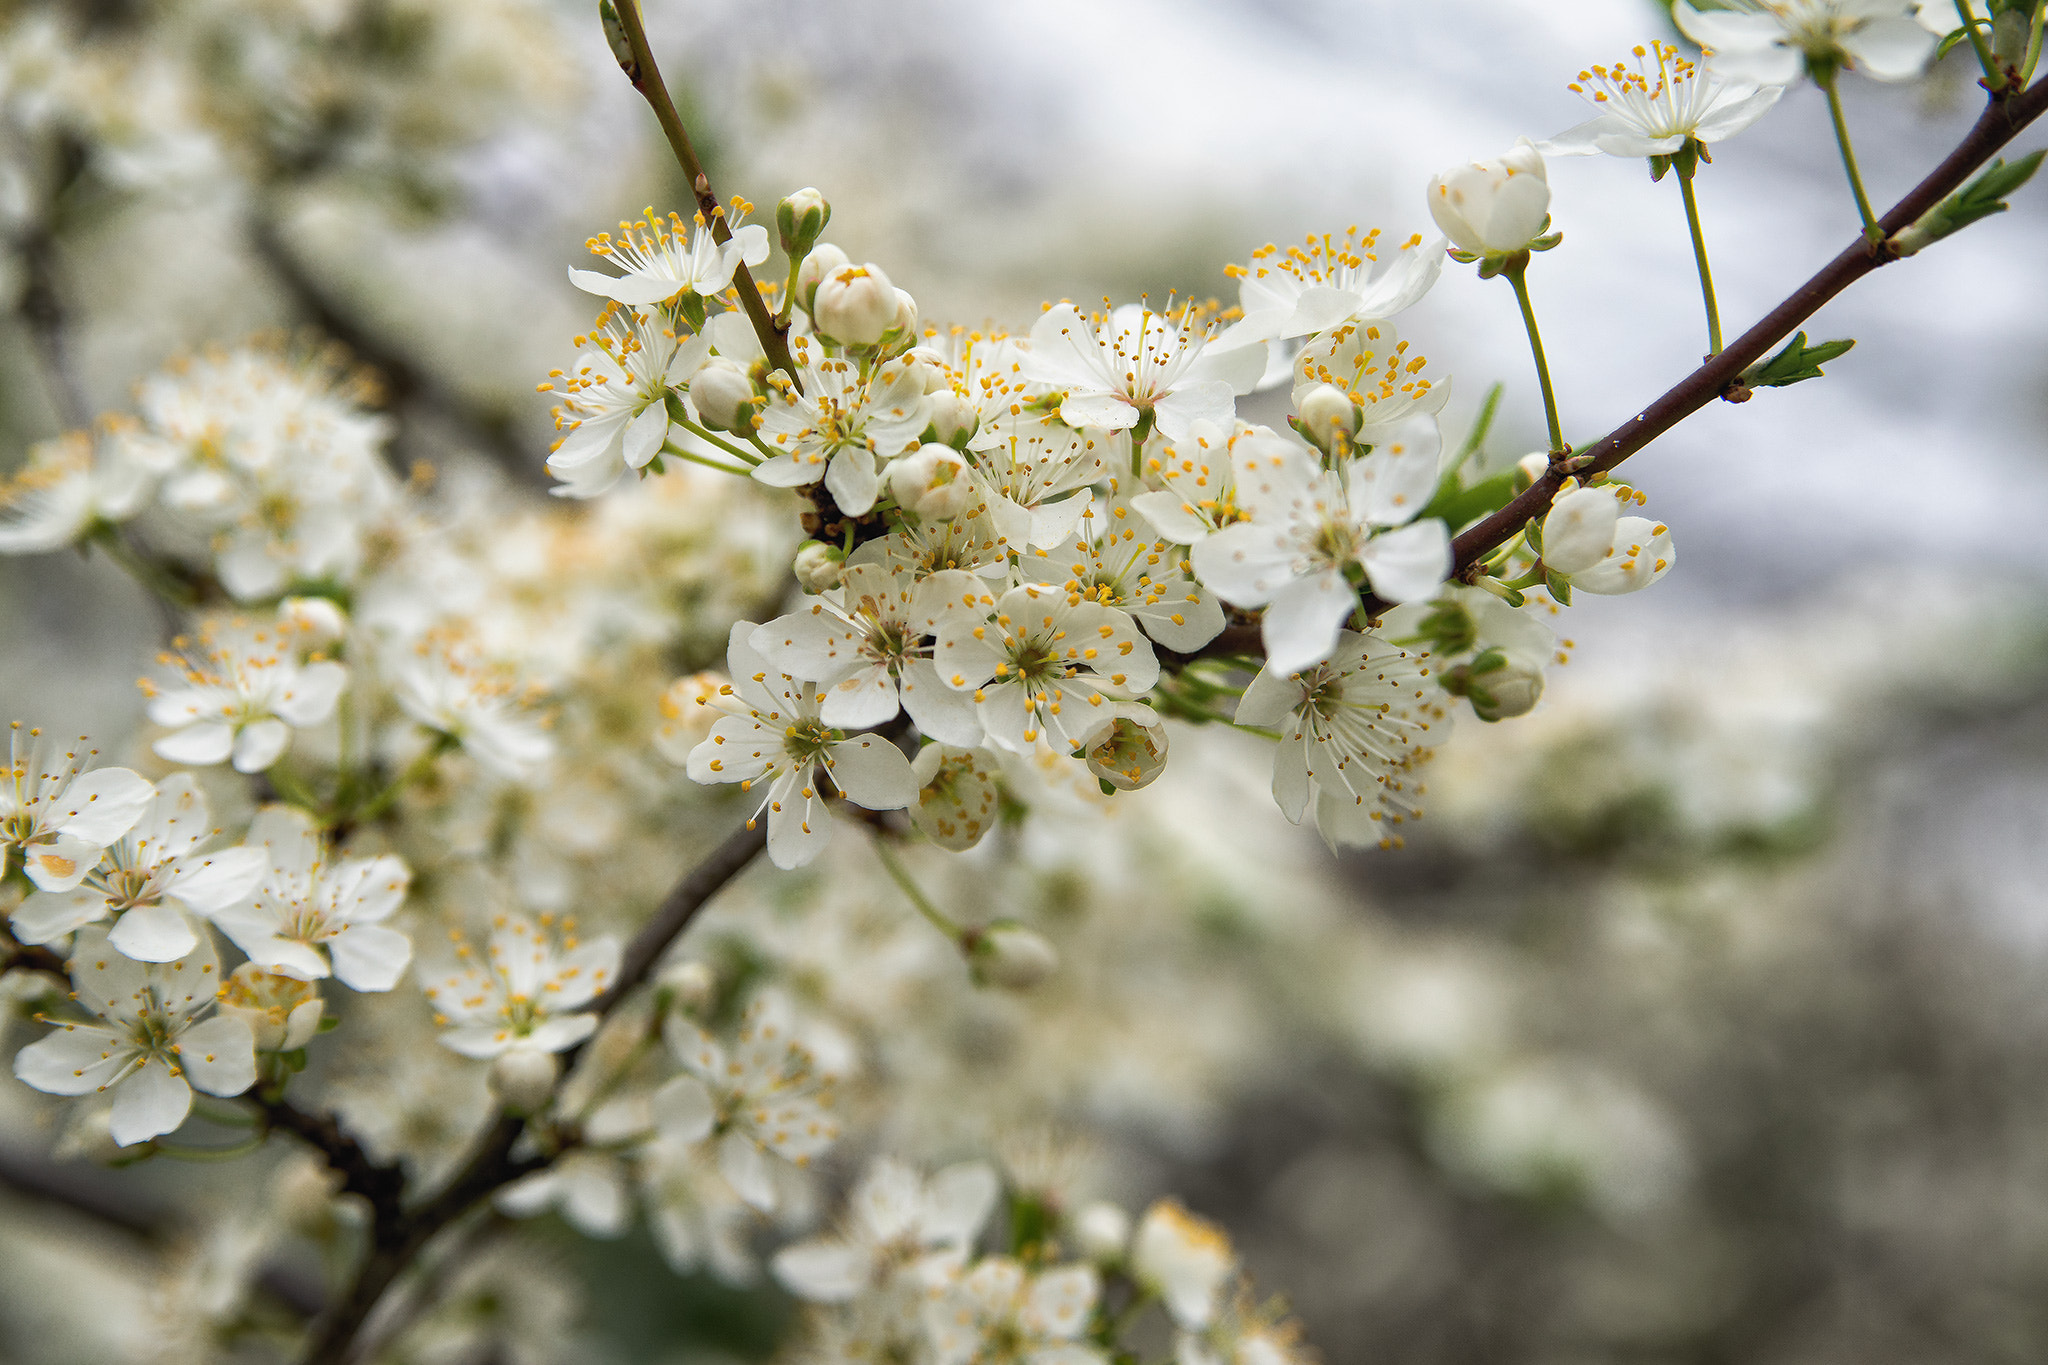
x=896, y=1221
x=614, y=412
x=529, y=992
x=1639, y=118
x=313, y=915
x=1353, y=731
x=477, y=707
x=65, y=492
x=147, y=1039
x=58, y=817
x=1326, y=282
x=1310, y=525
x=1041, y=662
x=1134, y=363
x=1496, y=207
x=1771, y=42
x=237, y=692
x=776, y=733
x=842, y=425
x=662, y=259
x=1378, y=371
x=1000, y=1313
x=149, y=882
x=1113, y=559
x=1184, y=1259
x=959, y=795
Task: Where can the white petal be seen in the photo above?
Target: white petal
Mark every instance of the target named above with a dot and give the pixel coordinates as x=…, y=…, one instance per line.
x=104, y=804
x=746, y=1169
x=199, y=745
x=62, y=863
x=46, y=916
x=823, y=1271
x=147, y=1104
x=260, y=745
x=852, y=481
x=313, y=694
x=369, y=957
x=1892, y=49
x=153, y=933
x=214, y=881
x=219, y=1055
x=75, y=1060
x=1301, y=622
x=1410, y=564
x=684, y=1111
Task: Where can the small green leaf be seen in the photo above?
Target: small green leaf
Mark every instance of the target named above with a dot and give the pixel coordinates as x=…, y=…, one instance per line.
x=1794, y=364
x=1459, y=506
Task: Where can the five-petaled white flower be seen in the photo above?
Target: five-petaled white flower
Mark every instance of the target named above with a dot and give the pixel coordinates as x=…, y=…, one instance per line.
x=1654, y=113
x=57, y=817
x=308, y=901
x=767, y=1096
x=528, y=993
x=614, y=412
x=1325, y=283
x=67, y=491
x=1117, y=370
x=1772, y=41
x=1310, y=525
x=1353, y=731
x=145, y=1041
x=238, y=691
x=474, y=706
x=842, y=425
x=1043, y=662
x=1113, y=559
x=897, y=1221
x=149, y=881
x=1000, y=1313
x=867, y=642
x=662, y=259
x=775, y=733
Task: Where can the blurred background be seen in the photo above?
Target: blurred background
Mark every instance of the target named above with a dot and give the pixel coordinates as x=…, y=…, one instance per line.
x=1702, y=1021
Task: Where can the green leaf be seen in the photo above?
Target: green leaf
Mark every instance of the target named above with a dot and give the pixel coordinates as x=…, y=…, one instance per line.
x=1459, y=506
x=1794, y=364
x=1481, y=425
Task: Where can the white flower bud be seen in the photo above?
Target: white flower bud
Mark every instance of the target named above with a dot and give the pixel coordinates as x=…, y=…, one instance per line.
x=800, y=218
x=954, y=419
x=824, y=259
x=689, y=708
x=1495, y=207
x=1103, y=1231
x=282, y=1012
x=1641, y=553
x=1009, y=955
x=1327, y=410
x=932, y=482
x=317, y=620
x=1579, y=529
x=1530, y=468
x=1132, y=753
x=855, y=305
x=724, y=396
x=933, y=367
x=819, y=566
x=693, y=983
x=906, y=316
x=1511, y=688
x=1185, y=1259
x=523, y=1078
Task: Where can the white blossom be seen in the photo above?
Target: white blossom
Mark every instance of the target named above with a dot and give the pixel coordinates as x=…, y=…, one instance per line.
x=1771, y=42
x=841, y=426
x=1641, y=118
x=475, y=707
x=589, y=1189
x=149, y=882
x=1000, y=1313
x=1495, y=207
x=283, y=1013
x=1185, y=1260
x=237, y=691
x=56, y=816
x=1378, y=371
x=1326, y=282
x=776, y=734
x=314, y=915
x=661, y=259
x=1133, y=363
x=146, y=1039
x=528, y=992
x=959, y=795
x=1190, y=485
x=896, y=1221
x=67, y=490
x=613, y=413
x=1354, y=730
x=1112, y=559
x=1310, y=525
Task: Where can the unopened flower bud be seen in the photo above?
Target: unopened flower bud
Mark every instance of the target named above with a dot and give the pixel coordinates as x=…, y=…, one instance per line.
x=1496, y=207
x=1103, y=1231
x=1530, y=468
x=954, y=419
x=932, y=482
x=1499, y=685
x=524, y=1077
x=689, y=708
x=1009, y=955
x=317, y=620
x=906, y=315
x=724, y=396
x=799, y=219
x=282, y=1012
x=1326, y=411
x=824, y=259
x=1579, y=529
x=819, y=566
x=856, y=305
x=1131, y=754
x=693, y=984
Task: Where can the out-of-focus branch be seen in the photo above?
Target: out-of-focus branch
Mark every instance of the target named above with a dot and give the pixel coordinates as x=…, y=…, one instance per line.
x=407, y=384
x=44, y=311
x=638, y=63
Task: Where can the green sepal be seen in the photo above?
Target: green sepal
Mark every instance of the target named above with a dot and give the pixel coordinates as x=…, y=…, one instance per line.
x=1559, y=586
x=1108, y=787
x=1660, y=166
x=1794, y=364
x=295, y=1060
x=1462, y=256
x=329, y=1023
x=690, y=304
x=1549, y=241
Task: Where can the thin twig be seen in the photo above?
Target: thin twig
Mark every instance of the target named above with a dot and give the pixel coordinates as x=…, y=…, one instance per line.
x=646, y=78
x=42, y=307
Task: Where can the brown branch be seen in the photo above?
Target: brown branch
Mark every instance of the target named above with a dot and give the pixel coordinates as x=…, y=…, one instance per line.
x=646, y=78
x=397, y=1234
x=42, y=309
x=2006, y=117
x=28, y=957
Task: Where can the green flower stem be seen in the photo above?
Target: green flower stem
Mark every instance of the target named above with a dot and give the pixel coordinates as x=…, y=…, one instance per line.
x=743, y=456
x=294, y=790
x=141, y=568
x=414, y=772
x=1517, y=276
x=901, y=876
x=1699, y=255
x=1994, y=79
x=1870, y=227
x=737, y=471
